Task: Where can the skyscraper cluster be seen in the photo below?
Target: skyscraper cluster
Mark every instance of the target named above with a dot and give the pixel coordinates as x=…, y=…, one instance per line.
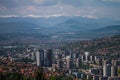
x=44, y=58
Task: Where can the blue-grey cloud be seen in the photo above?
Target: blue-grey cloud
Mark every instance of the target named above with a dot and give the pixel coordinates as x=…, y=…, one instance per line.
x=47, y=8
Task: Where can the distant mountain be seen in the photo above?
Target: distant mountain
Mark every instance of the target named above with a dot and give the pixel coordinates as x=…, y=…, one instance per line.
x=17, y=27
x=41, y=21
x=107, y=31
x=62, y=27
x=70, y=25
x=93, y=33
x=113, y=28
x=20, y=30
x=88, y=23
x=79, y=25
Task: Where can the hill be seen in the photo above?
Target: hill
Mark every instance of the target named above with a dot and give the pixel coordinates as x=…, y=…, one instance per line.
x=103, y=46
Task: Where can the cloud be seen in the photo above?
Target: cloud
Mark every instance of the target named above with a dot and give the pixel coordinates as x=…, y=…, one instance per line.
x=47, y=8
x=111, y=0
x=3, y=8
x=38, y=1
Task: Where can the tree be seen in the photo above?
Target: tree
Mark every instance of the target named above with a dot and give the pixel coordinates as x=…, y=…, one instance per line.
x=53, y=77
x=39, y=74
x=119, y=71
x=2, y=77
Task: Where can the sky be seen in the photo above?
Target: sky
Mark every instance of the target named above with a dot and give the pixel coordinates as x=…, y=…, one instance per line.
x=49, y=8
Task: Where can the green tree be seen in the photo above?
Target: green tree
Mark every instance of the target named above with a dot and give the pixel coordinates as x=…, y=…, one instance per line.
x=119, y=71
x=39, y=74
x=53, y=77
x=2, y=76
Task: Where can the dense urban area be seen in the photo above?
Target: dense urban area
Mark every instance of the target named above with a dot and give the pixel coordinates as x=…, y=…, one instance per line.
x=59, y=39
x=97, y=59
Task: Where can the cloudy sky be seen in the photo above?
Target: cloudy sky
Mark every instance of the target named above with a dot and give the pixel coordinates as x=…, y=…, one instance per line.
x=48, y=8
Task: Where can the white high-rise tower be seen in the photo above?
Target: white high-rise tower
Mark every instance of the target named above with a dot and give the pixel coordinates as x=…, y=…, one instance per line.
x=40, y=58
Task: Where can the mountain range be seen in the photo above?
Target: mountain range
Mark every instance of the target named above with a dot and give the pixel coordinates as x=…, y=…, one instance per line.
x=60, y=27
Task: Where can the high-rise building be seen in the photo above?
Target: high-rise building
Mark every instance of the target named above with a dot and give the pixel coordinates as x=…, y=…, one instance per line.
x=70, y=64
x=114, y=68
x=106, y=69
x=113, y=71
x=83, y=58
x=109, y=68
x=32, y=56
x=87, y=57
x=92, y=58
x=100, y=71
x=79, y=63
x=100, y=61
x=48, y=58
x=40, y=58
x=60, y=64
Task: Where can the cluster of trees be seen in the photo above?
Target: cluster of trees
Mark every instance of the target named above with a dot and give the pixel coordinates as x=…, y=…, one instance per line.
x=12, y=76
x=38, y=76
